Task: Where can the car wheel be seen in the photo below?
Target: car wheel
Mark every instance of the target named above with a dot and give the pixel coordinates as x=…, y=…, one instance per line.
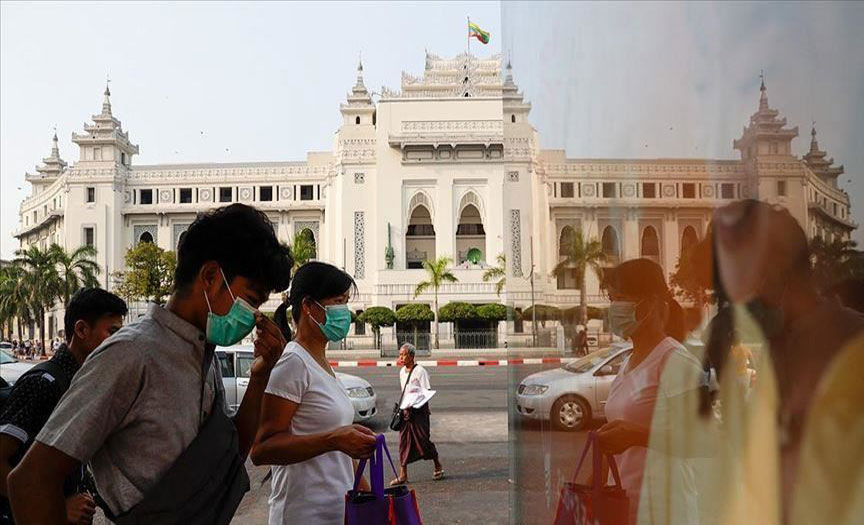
x=570, y=413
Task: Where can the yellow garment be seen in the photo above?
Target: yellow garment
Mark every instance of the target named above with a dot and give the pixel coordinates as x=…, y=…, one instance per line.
x=739, y=481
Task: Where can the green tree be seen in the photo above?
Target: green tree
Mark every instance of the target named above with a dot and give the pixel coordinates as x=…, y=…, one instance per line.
x=457, y=311
x=414, y=315
x=581, y=255
x=438, y=272
x=376, y=317
x=691, y=280
x=13, y=299
x=835, y=261
x=497, y=272
x=149, y=273
x=41, y=283
x=302, y=248
x=494, y=313
x=75, y=269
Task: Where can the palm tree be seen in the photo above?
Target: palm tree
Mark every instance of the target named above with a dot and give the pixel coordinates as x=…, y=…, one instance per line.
x=75, y=269
x=14, y=302
x=41, y=283
x=439, y=273
x=835, y=261
x=581, y=255
x=497, y=272
x=302, y=249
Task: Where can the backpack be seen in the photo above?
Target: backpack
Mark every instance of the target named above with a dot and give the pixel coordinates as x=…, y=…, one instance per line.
x=47, y=367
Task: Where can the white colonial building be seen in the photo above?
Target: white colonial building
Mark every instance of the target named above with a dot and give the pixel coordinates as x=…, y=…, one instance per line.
x=449, y=165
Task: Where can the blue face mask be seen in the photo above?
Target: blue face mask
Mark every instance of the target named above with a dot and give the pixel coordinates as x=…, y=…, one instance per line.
x=231, y=328
x=337, y=322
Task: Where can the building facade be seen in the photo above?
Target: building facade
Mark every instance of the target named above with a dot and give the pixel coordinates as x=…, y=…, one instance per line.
x=448, y=165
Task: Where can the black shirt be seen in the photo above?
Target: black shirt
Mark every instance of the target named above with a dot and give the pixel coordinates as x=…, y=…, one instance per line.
x=29, y=406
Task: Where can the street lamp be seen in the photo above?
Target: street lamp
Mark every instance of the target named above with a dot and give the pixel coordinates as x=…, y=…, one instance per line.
x=533, y=306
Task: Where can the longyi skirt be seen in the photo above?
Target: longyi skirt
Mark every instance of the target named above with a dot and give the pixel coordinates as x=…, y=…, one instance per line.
x=414, y=440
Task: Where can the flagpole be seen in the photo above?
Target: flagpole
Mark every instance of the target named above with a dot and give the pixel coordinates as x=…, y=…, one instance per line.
x=469, y=36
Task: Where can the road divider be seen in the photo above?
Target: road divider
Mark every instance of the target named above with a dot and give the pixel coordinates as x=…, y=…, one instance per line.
x=456, y=362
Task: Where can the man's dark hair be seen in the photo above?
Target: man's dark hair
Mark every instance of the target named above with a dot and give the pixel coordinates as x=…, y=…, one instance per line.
x=90, y=305
x=317, y=281
x=241, y=239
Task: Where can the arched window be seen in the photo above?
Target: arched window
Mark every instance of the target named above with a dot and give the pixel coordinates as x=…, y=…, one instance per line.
x=419, y=238
x=609, y=242
x=513, y=118
x=145, y=237
x=650, y=244
x=567, y=277
x=689, y=239
x=310, y=237
x=357, y=120
x=470, y=234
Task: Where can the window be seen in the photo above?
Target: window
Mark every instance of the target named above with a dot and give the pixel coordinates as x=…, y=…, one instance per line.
x=97, y=153
x=835, y=208
x=513, y=118
x=357, y=120
x=35, y=217
x=225, y=194
x=146, y=197
x=123, y=158
x=567, y=190
x=265, y=193
x=226, y=364
x=649, y=190
x=307, y=192
x=727, y=191
x=145, y=237
x=185, y=195
x=91, y=194
x=89, y=236
x=781, y=188
x=609, y=190
x=421, y=230
x=688, y=190
x=518, y=327
x=244, y=365
x=359, y=326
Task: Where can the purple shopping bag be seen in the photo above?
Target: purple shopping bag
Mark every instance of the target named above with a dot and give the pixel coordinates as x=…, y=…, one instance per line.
x=391, y=506
x=596, y=503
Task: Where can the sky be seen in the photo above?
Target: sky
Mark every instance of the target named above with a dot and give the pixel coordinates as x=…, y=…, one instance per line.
x=233, y=82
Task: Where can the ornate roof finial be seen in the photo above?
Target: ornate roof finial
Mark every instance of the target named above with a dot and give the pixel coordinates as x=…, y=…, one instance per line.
x=55, y=148
x=814, y=144
x=763, y=97
x=106, y=102
x=360, y=62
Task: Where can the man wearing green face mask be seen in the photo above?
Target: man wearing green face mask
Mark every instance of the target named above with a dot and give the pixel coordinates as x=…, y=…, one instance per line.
x=147, y=410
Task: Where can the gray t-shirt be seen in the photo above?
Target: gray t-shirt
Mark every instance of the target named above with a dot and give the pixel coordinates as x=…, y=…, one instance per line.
x=135, y=405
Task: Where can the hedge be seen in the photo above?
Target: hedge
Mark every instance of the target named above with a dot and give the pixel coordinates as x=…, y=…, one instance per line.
x=457, y=311
x=414, y=313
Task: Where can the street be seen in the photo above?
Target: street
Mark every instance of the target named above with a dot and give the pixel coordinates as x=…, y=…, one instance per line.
x=470, y=428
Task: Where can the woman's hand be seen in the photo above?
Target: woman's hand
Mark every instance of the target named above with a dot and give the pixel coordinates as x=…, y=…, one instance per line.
x=617, y=436
x=269, y=344
x=355, y=440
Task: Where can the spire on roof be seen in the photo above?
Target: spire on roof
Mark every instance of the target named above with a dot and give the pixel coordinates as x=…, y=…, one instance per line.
x=814, y=145
x=763, y=97
x=106, y=102
x=55, y=149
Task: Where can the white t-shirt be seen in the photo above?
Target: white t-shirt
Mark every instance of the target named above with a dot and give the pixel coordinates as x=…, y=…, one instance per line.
x=312, y=491
x=633, y=396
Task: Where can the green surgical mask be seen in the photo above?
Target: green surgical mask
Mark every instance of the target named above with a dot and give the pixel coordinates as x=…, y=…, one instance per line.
x=622, y=318
x=231, y=328
x=337, y=322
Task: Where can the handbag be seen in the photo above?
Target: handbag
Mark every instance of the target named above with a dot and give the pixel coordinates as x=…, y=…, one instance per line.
x=596, y=503
x=391, y=506
x=396, y=420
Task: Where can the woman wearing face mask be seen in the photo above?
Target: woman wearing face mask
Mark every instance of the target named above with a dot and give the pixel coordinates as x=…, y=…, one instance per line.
x=306, y=431
x=643, y=311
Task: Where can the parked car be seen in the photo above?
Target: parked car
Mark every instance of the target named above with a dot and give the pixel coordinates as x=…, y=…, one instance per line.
x=6, y=346
x=571, y=396
x=235, y=363
x=11, y=368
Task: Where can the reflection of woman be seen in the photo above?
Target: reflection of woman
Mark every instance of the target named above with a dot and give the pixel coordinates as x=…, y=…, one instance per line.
x=643, y=311
x=306, y=416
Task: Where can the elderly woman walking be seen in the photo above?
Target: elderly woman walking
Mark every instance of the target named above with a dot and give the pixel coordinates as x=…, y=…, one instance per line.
x=415, y=442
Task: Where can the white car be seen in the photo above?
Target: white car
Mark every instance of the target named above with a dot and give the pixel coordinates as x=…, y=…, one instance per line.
x=11, y=369
x=573, y=395
x=235, y=362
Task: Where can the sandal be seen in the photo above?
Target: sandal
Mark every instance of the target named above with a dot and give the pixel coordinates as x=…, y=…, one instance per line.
x=438, y=475
x=397, y=482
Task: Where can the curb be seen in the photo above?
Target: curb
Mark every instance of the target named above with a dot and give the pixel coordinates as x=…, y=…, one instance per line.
x=455, y=362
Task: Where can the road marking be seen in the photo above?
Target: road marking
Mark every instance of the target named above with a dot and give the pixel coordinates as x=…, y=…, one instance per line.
x=456, y=362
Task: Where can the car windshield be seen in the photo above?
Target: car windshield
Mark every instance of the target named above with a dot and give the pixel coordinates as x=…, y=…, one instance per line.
x=6, y=359
x=590, y=361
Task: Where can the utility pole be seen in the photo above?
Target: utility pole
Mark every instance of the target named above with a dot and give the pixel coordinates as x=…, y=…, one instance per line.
x=533, y=306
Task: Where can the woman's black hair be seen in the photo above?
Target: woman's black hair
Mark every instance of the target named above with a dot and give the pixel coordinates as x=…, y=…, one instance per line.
x=643, y=278
x=317, y=281
x=280, y=317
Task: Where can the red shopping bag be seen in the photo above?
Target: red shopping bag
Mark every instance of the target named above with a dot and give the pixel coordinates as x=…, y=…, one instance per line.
x=596, y=503
x=391, y=506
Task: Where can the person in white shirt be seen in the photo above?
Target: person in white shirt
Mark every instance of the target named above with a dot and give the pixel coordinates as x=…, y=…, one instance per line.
x=415, y=442
x=306, y=430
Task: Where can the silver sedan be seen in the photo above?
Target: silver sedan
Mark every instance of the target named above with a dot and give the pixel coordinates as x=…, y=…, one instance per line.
x=573, y=395
x=236, y=361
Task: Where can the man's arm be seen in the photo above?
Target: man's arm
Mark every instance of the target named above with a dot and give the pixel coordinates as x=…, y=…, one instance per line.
x=269, y=344
x=36, y=485
x=8, y=447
